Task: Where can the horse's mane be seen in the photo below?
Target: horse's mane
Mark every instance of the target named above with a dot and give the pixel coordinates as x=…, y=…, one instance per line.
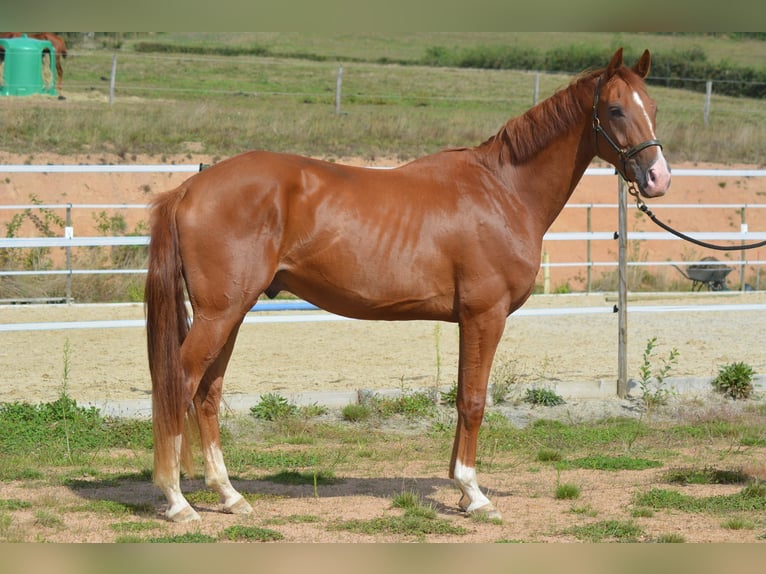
x=522, y=137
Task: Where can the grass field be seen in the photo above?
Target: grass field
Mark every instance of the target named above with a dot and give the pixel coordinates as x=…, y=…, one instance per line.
x=286, y=100
x=67, y=474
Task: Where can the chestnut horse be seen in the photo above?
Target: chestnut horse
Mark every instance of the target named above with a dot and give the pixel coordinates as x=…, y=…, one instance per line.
x=58, y=45
x=455, y=236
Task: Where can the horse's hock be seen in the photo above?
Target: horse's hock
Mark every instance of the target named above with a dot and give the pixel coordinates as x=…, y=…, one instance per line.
x=27, y=67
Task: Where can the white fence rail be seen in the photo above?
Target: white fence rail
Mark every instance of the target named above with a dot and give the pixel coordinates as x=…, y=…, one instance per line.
x=71, y=239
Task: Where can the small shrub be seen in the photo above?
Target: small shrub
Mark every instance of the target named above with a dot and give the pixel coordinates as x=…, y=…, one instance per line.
x=272, y=407
x=734, y=380
x=543, y=397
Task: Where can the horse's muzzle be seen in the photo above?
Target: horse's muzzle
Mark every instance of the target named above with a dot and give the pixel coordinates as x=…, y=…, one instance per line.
x=655, y=181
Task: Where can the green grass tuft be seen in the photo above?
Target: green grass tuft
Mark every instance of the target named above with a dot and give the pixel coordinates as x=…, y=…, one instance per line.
x=567, y=492
x=251, y=534
x=607, y=530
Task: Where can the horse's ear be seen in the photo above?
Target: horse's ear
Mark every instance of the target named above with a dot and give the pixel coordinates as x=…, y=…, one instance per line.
x=615, y=64
x=644, y=63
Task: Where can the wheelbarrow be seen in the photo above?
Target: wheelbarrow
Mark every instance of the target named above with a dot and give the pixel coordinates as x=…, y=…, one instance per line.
x=710, y=275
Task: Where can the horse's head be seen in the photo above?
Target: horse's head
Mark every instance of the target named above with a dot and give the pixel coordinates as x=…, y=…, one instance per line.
x=623, y=124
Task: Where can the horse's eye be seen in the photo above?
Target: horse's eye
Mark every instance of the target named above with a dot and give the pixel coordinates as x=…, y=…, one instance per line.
x=616, y=112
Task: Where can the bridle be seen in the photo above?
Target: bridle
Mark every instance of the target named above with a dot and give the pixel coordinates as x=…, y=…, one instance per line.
x=627, y=153
x=624, y=153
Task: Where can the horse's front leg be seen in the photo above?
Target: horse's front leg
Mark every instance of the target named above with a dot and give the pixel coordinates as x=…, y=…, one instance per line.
x=479, y=337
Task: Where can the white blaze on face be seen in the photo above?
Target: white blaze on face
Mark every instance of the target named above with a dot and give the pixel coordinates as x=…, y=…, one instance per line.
x=658, y=175
x=639, y=102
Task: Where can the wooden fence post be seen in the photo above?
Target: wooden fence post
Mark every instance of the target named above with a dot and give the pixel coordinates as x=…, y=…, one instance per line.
x=338, y=83
x=708, y=93
x=622, y=292
x=112, y=79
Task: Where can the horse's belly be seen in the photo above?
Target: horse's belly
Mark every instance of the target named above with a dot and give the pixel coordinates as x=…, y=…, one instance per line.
x=384, y=298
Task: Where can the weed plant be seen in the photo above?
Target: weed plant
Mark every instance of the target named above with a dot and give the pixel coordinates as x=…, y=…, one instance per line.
x=543, y=397
x=651, y=381
x=734, y=380
x=273, y=407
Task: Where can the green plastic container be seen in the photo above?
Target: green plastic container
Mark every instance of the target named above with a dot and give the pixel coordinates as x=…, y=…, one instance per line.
x=23, y=70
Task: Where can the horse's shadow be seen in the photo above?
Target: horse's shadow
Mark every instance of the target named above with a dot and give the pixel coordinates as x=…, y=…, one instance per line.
x=142, y=498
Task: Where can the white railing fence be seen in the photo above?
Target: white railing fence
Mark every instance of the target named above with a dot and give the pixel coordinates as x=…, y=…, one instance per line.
x=72, y=239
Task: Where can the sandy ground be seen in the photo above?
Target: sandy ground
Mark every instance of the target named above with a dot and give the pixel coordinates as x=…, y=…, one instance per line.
x=296, y=359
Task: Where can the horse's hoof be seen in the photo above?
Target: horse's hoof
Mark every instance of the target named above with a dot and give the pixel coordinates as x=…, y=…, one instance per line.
x=242, y=506
x=187, y=514
x=487, y=511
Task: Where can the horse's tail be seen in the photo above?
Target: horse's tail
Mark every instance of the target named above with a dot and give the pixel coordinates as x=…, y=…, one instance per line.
x=167, y=323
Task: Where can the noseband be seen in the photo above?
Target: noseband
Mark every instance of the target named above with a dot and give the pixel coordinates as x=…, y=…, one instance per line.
x=624, y=153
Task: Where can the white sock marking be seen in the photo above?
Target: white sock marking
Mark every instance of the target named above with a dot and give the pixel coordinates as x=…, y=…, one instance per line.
x=465, y=476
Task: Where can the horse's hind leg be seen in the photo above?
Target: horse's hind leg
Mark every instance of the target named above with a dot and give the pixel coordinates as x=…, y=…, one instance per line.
x=206, y=341
x=206, y=404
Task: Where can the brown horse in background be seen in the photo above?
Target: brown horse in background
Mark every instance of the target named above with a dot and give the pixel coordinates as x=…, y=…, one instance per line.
x=455, y=236
x=58, y=45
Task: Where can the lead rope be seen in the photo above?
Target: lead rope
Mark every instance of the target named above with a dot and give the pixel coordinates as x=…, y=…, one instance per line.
x=632, y=190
